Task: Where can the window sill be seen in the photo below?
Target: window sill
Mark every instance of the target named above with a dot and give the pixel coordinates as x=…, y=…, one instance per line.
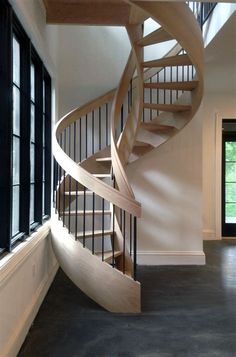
x=11, y=261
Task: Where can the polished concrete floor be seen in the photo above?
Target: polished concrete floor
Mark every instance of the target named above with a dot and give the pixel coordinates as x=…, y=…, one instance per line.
x=187, y=311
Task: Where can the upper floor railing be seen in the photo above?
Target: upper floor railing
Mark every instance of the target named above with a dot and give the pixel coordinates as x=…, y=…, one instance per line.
x=202, y=11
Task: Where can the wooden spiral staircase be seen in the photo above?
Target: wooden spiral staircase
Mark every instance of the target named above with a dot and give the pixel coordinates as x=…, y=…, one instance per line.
x=94, y=231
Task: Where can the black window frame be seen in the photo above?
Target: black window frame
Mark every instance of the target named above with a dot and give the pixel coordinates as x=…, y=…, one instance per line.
x=10, y=26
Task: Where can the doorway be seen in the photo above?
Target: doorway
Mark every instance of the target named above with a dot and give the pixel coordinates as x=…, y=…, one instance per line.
x=228, y=178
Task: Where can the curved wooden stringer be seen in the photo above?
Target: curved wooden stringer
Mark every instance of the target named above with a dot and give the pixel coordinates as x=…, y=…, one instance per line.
x=94, y=231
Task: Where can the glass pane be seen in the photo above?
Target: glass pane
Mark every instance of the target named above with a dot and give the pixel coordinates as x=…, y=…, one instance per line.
x=16, y=111
x=44, y=96
x=43, y=129
x=230, y=192
x=16, y=160
x=15, y=209
x=43, y=198
x=32, y=128
x=230, y=213
x=43, y=164
x=230, y=151
x=32, y=162
x=230, y=174
x=31, y=203
x=32, y=76
x=16, y=62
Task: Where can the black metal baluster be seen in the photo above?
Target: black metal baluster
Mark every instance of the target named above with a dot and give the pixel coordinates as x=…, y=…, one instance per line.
x=93, y=222
x=84, y=217
x=171, y=78
x=103, y=203
x=122, y=119
x=130, y=235
x=64, y=181
x=76, y=185
x=69, y=218
x=100, y=131
x=59, y=183
x=124, y=241
x=150, y=94
x=86, y=136
x=80, y=141
x=157, y=79
x=107, y=129
x=135, y=248
x=93, y=132
x=164, y=82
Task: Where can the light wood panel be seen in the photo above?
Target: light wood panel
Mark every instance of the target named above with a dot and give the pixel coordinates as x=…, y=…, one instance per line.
x=169, y=61
x=156, y=127
x=107, y=286
x=158, y=36
x=188, y=85
x=167, y=107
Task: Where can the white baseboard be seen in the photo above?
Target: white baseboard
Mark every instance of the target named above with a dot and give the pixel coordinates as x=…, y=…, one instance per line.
x=171, y=258
x=17, y=338
x=209, y=234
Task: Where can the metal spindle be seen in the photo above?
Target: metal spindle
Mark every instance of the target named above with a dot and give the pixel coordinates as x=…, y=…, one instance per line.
x=100, y=130
x=69, y=218
x=103, y=204
x=124, y=243
x=150, y=94
x=86, y=136
x=93, y=222
x=135, y=248
x=80, y=141
x=64, y=182
x=84, y=217
x=76, y=187
x=107, y=129
x=93, y=132
x=130, y=234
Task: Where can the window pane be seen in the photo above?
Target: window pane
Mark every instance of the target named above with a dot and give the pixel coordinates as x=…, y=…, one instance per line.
x=16, y=160
x=230, y=214
x=43, y=164
x=16, y=111
x=16, y=62
x=32, y=162
x=32, y=76
x=230, y=175
x=43, y=198
x=31, y=203
x=43, y=129
x=15, y=209
x=32, y=128
x=230, y=151
x=230, y=192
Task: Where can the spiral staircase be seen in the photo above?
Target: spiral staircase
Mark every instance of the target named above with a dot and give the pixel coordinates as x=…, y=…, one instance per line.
x=94, y=230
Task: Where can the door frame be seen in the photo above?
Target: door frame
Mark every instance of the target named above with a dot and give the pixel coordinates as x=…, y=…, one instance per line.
x=218, y=175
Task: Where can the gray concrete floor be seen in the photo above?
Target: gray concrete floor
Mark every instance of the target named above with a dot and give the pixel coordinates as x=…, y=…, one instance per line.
x=186, y=311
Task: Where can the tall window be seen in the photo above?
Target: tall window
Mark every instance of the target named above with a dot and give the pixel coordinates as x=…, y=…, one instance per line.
x=25, y=133
x=229, y=178
x=16, y=87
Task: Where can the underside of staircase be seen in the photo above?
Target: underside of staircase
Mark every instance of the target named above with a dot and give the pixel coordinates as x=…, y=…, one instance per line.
x=94, y=229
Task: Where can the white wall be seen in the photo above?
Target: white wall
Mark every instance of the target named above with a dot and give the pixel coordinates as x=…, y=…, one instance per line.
x=219, y=101
x=27, y=272
x=91, y=61
x=167, y=182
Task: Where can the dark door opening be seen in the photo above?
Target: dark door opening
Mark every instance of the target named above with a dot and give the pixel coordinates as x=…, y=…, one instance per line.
x=229, y=178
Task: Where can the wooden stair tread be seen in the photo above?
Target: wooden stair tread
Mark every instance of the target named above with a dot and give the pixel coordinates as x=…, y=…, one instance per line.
x=103, y=159
x=167, y=107
x=79, y=193
x=87, y=212
x=158, y=36
x=96, y=233
x=108, y=255
x=139, y=143
x=179, y=60
x=156, y=127
x=102, y=175
x=188, y=85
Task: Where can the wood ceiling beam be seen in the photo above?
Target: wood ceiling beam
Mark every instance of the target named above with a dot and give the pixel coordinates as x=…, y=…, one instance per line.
x=93, y=13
